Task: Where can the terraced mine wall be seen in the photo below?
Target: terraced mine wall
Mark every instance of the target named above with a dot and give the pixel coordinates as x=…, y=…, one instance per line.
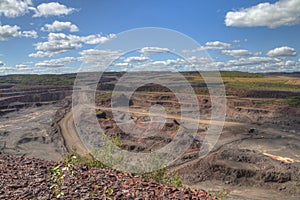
x=261, y=93
x=18, y=97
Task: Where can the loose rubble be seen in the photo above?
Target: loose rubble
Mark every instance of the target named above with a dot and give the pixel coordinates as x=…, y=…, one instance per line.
x=29, y=178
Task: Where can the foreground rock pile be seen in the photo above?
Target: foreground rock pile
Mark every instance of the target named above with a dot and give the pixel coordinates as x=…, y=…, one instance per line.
x=27, y=178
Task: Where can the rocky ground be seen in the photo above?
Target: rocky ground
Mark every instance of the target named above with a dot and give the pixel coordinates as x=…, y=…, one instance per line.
x=267, y=161
x=36, y=138
x=29, y=178
x=36, y=122
x=28, y=119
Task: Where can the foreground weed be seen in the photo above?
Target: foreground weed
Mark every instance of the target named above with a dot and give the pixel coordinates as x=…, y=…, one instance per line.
x=220, y=194
x=59, y=172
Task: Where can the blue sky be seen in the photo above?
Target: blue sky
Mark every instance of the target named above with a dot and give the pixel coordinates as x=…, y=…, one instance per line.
x=46, y=36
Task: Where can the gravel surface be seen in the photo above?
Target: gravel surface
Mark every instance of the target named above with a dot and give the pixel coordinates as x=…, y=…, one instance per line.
x=29, y=178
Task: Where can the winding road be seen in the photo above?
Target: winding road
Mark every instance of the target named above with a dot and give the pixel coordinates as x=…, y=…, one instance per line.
x=72, y=139
x=70, y=135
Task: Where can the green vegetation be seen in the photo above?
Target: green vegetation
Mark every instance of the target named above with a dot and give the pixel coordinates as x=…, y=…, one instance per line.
x=164, y=177
x=91, y=158
x=293, y=101
x=46, y=79
x=248, y=81
x=105, y=96
x=265, y=102
x=233, y=74
x=88, y=160
x=263, y=84
x=232, y=79
x=237, y=74
x=59, y=172
x=220, y=194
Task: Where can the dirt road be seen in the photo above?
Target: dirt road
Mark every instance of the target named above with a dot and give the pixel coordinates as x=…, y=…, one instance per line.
x=171, y=116
x=70, y=135
x=72, y=139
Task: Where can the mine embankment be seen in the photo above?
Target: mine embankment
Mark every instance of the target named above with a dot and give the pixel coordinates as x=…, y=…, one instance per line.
x=18, y=97
x=29, y=122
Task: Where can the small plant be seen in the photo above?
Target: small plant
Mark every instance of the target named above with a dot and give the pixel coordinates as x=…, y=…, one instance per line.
x=116, y=139
x=165, y=177
x=59, y=172
x=88, y=160
x=57, y=177
x=107, y=193
x=221, y=194
x=176, y=180
x=293, y=101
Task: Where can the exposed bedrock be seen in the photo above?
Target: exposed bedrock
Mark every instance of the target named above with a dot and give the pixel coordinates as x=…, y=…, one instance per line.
x=260, y=93
x=6, y=102
x=242, y=166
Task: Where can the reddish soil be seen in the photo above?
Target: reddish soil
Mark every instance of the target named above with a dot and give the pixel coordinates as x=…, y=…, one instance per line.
x=28, y=178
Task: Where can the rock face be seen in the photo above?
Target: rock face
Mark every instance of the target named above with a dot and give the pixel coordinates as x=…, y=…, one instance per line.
x=246, y=167
x=27, y=178
x=261, y=93
x=38, y=138
x=33, y=95
x=28, y=120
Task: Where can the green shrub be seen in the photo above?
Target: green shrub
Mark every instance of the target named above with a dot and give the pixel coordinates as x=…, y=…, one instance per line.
x=220, y=194
x=165, y=177
x=293, y=101
x=59, y=172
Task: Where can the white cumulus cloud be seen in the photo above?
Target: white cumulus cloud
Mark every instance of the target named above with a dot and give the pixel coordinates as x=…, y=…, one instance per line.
x=15, y=8
x=52, y=9
x=237, y=52
x=154, y=65
x=171, y=63
x=97, y=55
x=29, y=34
x=255, y=60
x=7, y=31
x=252, y=64
x=23, y=67
x=97, y=59
x=59, y=43
x=154, y=50
x=96, y=39
x=282, y=52
x=55, y=63
x=213, y=45
x=136, y=59
x=59, y=26
x=272, y=15
x=41, y=54
x=216, y=45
